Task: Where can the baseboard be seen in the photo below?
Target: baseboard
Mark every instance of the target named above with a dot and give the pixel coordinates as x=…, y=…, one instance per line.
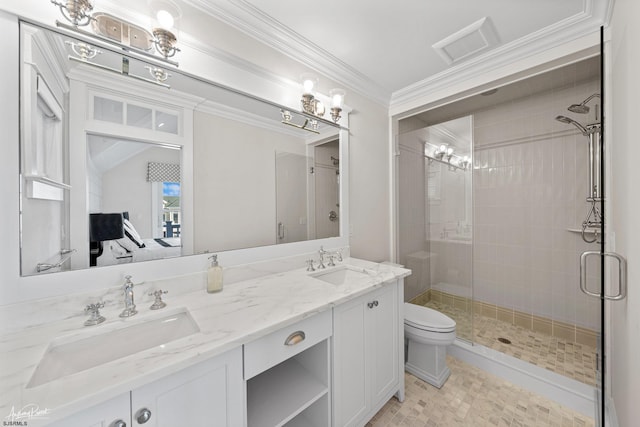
x=566, y=391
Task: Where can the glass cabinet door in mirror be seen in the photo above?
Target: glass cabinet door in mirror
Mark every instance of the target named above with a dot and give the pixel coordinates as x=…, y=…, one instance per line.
x=116, y=168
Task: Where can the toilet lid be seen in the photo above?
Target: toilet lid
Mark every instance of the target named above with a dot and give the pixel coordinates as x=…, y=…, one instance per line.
x=427, y=319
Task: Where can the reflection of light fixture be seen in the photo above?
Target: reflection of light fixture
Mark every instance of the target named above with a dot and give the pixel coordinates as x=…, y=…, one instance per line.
x=464, y=163
x=337, y=101
x=310, y=125
x=449, y=153
x=446, y=154
x=78, y=12
x=158, y=73
x=440, y=152
x=83, y=50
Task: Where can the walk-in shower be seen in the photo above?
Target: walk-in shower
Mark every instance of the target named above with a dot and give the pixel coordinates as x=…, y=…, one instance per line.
x=497, y=245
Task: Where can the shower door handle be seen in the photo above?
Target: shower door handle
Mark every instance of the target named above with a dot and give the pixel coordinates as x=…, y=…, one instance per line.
x=622, y=275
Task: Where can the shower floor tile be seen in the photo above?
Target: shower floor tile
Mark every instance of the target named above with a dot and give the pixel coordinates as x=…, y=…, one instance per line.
x=472, y=397
x=570, y=359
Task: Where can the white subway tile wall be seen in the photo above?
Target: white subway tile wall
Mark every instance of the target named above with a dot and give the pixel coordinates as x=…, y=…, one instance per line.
x=530, y=186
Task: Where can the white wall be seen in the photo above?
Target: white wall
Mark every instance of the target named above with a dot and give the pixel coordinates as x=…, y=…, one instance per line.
x=622, y=141
x=370, y=180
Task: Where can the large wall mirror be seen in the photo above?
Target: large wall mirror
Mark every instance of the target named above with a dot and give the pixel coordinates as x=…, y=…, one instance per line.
x=123, y=161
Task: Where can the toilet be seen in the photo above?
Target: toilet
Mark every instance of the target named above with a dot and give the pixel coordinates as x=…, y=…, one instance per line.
x=428, y=333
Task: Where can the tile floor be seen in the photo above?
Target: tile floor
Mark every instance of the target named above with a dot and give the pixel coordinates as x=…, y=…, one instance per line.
x=573, y=360
x=472, y=397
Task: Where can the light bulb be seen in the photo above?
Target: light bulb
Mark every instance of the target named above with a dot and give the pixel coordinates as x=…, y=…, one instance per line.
x=307, y=86
x=165, y=19
x=449, y=151
x=443, y=148
x=337, y=98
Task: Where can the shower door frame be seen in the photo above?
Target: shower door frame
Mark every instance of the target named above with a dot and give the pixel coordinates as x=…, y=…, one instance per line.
x=527, y=71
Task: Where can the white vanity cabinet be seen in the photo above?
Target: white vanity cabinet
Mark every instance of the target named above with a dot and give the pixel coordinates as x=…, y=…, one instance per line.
x=367, y=355
x=204, y=395
x=287, y=375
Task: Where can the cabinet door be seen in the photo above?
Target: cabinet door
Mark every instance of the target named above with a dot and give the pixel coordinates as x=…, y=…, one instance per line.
x=206, y=395
x=103, y=415
x=351, y=394
x=384, y=341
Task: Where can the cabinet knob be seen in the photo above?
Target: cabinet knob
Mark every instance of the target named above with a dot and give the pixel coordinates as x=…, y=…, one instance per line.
x=143, y=415
x=118, y=423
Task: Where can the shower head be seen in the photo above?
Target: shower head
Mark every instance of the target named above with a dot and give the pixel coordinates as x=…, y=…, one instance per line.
x=582, y=108
x=568, y=120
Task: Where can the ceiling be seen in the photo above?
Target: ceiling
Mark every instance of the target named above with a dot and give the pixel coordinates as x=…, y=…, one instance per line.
x=382, y=51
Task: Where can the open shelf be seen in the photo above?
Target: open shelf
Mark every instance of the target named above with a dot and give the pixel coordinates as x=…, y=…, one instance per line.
x=279, y=394
x=316, y=415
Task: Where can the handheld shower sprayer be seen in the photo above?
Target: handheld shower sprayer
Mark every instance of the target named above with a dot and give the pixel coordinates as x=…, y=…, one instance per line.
x=568, y=120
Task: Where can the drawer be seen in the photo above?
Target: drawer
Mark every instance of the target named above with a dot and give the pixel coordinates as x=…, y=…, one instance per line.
x=272, y=349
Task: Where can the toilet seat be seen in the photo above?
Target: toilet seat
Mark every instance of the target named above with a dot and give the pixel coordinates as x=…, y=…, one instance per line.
x=427, y=319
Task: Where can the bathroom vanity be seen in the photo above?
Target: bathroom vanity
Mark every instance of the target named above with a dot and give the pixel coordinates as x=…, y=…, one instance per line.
x=289, y=348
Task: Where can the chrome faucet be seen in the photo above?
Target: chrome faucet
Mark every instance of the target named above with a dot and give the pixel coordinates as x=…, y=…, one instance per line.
x=331, y=254
x=129, y=306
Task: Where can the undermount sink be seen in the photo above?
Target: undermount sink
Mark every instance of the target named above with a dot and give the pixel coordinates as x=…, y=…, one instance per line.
x=341, y=275
x=67, y=356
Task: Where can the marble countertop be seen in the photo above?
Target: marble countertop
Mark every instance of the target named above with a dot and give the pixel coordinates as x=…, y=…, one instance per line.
x=241, y=313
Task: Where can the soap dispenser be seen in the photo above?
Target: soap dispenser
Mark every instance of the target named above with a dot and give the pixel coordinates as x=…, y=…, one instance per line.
x=214, y=275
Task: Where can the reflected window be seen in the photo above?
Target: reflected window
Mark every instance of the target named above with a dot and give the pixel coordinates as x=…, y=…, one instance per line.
x=171, y=213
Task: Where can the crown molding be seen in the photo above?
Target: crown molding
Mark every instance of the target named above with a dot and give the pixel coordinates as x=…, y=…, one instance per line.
x=595, y=13
x=250, y=20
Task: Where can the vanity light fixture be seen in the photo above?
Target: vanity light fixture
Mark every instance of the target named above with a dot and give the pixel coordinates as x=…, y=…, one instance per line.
x=312, y=105
x=163, y=38
x=337, y=101
x=132, y=38
x=78, y=12
x=309, y=102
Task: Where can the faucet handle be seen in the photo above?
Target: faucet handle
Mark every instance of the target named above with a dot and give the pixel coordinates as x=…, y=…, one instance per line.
x=158, y=303
x=331, y=263
x=310, y=265
x=94, y=309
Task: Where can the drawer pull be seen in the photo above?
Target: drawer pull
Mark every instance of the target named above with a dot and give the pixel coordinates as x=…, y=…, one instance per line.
x=295, y=338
